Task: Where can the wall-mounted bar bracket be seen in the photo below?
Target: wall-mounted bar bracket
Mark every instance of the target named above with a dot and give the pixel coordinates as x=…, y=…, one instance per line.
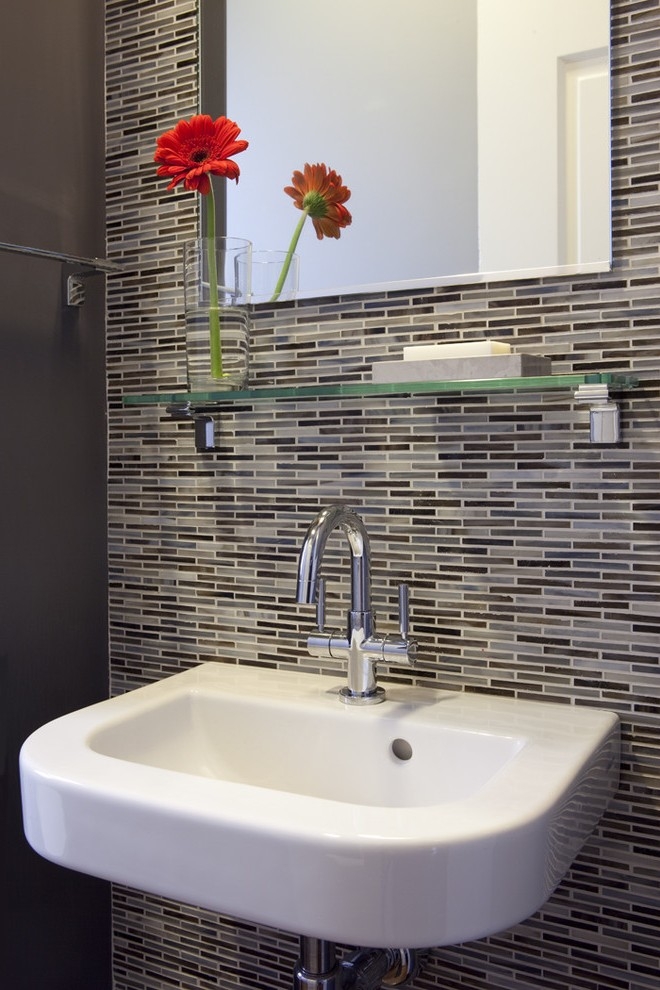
x=204, y=425
x=74, y=289
x=74, y=284
x=604, y=420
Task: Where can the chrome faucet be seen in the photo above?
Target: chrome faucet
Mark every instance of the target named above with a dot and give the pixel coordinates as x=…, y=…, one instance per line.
x=361, y=647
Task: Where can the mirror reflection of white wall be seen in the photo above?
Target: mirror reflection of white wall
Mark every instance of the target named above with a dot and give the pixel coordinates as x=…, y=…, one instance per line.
x=370, y=88
x=386, y=93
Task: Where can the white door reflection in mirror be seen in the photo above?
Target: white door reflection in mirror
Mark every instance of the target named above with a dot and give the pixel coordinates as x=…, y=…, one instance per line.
x=537, y=135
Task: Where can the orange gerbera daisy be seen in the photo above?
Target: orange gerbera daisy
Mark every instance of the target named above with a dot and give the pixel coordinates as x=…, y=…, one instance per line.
x=319, y=192
x=197, y=148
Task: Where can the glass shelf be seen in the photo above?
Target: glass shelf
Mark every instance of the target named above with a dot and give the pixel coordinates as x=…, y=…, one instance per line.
x=366, y=389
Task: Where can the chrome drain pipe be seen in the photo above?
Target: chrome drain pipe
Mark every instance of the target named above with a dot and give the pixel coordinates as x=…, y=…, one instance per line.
x=364, y=969
x=317, y=968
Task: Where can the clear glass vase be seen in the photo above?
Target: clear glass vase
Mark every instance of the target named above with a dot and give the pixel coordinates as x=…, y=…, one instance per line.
x=216, y=279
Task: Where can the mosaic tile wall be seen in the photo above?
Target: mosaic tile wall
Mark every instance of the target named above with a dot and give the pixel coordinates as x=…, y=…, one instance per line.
x=532, y=556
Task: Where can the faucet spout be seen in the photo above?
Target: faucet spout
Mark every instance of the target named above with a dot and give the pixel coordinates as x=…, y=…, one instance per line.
x=361, y=647
x=313, y=548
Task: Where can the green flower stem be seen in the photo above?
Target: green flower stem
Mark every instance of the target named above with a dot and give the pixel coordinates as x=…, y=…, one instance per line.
x=289, y=255
x=214, y=312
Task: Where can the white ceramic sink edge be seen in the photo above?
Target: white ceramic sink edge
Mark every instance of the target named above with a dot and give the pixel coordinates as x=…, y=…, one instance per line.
x=440, y=851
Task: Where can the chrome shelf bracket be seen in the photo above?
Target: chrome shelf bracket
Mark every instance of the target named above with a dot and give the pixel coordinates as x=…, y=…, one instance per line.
x=205, y=439
x=604, y=417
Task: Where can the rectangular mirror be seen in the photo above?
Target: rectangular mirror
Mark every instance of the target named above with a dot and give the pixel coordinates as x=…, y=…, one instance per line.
x=474, y=135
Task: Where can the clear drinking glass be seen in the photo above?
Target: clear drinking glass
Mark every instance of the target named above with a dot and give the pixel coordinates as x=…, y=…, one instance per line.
x=267, y=266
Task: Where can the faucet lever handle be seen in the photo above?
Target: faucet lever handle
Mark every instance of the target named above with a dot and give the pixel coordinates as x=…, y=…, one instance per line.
x=320, y=605
x=404, y=611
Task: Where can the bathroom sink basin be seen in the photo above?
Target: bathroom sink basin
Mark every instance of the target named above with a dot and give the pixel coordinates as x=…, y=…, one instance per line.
x=433, y=818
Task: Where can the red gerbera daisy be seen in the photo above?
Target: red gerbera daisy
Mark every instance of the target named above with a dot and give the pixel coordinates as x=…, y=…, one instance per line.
x=197, y=148
x=318, y=191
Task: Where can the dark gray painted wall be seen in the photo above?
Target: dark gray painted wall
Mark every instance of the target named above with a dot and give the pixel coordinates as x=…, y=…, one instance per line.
x=54, y=924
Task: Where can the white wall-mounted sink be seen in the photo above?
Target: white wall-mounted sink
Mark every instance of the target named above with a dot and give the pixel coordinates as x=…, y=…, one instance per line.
x=433, y=818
